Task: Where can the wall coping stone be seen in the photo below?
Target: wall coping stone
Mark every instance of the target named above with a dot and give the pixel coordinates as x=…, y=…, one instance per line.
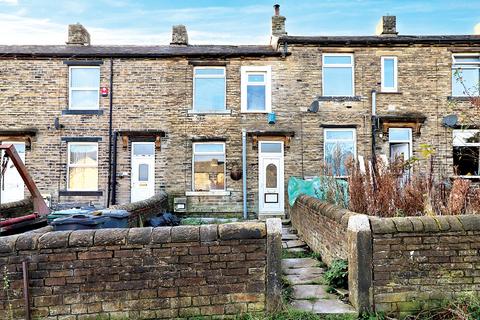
x=147, y=203
x=48, y=239
x=450, y=223
x=332, y=211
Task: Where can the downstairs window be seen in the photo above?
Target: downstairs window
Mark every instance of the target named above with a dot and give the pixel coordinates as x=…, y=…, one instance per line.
x=208, y=166
x=466, y=152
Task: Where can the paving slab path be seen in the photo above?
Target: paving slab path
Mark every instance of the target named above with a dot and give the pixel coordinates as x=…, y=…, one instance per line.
x=305, y=275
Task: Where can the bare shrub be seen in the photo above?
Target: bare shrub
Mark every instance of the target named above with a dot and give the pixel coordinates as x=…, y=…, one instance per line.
x=457, y=201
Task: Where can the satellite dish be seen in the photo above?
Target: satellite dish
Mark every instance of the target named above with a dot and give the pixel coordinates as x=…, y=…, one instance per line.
x=450, y=121
x=313, y=107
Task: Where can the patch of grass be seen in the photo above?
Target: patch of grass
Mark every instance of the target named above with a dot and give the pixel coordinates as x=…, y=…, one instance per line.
x=292, y=314
x=312, y=299
x=337, y=274
x=287, y=291
x=295, y=254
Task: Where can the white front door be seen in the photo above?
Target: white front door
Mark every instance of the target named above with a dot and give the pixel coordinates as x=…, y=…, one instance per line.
x=270, y=178
x=143, y=171
x=12, y=186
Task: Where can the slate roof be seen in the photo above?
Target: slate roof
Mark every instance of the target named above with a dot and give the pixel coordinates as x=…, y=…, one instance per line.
x=65, y=51
x=382, y=40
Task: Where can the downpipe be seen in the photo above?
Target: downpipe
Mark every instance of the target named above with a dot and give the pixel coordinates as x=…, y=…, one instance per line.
x=244, y=173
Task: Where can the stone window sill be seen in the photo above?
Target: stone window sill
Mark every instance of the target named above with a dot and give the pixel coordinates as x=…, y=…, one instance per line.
x=450, y=98
x=223, y=112
x=339, y=99
x=67, y=193
x=466, y=177
x=390, y=92
x=82, y=112
x=207, y=193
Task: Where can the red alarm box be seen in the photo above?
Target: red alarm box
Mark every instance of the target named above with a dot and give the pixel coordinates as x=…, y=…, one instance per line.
x=104, y=91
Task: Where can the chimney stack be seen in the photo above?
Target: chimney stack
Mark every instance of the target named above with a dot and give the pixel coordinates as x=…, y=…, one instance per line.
x=78, y=35
x=387, y=26
x=179, y=35
x=278, y=22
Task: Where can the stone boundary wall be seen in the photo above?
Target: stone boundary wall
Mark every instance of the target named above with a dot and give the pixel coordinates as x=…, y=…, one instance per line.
x=16, y=209
x=396, y=265
x=145, y=273
x=322, y=226
x=141, y=211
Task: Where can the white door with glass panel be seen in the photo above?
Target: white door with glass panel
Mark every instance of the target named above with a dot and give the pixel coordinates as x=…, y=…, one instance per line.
x=12, y=185
x=143, y=171
x=270, y=178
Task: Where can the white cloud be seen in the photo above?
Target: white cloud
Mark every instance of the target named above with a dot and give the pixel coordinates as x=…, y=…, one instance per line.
x=476, y=29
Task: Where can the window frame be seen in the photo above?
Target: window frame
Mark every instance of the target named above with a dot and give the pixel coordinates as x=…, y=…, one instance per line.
x=224, y=110
x=69, y=165
x=467, y=144
x=325, y=140
x=409, y=141
x=245, y=71
x=351, y=65
x=469, y=54
x=224, y=153
x=395, y=74
x=70, y=89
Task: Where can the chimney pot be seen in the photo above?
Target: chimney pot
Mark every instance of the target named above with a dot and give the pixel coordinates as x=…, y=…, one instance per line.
x=179, y=35
x=276, y=8
x=78, y=35
x=387, y=26
x=278, y=22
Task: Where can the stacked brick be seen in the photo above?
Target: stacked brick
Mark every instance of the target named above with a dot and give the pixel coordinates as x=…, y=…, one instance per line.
x=147, y=273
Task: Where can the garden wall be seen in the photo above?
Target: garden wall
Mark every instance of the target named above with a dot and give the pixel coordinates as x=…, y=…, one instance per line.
x=16, y=209
x=147, y=273
x=141, y=211
x=396, y=265
x=322, y=226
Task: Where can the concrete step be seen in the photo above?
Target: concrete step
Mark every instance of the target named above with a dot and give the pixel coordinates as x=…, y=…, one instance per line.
x=289, y=236
x=295, y=243
x=299, y=263
x=324, y=307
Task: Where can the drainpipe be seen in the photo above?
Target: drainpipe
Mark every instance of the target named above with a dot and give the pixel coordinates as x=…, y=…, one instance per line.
x=110, y=126
x=114, y=169
x=374, y=131
x=244, y=173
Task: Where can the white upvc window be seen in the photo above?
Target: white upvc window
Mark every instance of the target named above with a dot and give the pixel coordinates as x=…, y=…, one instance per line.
x=389, y=74
x=208, y=166
x=339, y=146
x=84, y=87
x=209, y=89
x=82, y=166
x=400, y=141
x=466, y=75
x=338, y=75
x=256, y=89
x=466, y=152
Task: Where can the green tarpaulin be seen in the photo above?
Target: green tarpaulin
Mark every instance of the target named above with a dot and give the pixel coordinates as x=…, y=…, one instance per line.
x=324, y=188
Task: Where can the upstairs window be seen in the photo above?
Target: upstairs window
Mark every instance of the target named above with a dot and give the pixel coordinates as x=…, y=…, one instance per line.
x=209, y=88
x=466, y=75
x=84, y=86
x=209, y=166
x=256, y=89
x=82, y=166
x=389, y=74
x=337, y=75
x=339, y=147
x=466, y=152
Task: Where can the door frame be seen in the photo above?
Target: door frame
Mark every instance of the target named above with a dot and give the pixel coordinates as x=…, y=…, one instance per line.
x=281, y=176
x=150, y=157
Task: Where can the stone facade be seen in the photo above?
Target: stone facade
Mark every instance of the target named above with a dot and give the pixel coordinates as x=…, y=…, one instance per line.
x=144, y=273
x=152, y=91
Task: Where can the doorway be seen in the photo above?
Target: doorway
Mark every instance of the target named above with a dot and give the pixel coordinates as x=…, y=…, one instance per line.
x=271, y=177
x=143, y=171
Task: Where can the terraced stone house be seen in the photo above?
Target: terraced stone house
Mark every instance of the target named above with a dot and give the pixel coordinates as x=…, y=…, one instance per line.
x=222, y=127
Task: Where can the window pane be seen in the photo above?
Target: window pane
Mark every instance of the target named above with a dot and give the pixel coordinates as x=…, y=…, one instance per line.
x=83, y=154
x=465, y=82
x=209, y=173
x=214, y=72
x=255, y=97
x=337, y=155
x=143, y=172
x=140, y=149
x=85, y=77
x=399, y=134
x=256, y=78
x=389, y=73
x=337, y=59
x=465, y=137
x=83, y=179
x=209, y=147
x=465, y=160
x=271, y=176
x=337, y=81
x=338, y=134
x=20, y=147
x=467, y=59
x=209, y=94
x=84, y=99
x=271, y=147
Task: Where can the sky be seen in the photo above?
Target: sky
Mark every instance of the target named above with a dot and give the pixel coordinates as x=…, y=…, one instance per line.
x=224, y=22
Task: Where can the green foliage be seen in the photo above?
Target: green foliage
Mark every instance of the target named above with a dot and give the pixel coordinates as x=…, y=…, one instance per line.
x=6, y=285
x=292, y=314
x=337, y=274
x=287, y=291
